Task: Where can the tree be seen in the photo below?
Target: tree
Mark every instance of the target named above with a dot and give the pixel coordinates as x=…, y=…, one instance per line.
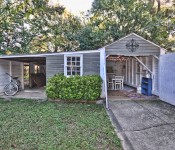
x=33, y=26
x=113, y=19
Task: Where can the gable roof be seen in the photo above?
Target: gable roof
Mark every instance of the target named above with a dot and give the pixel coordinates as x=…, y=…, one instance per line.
x=136, y=36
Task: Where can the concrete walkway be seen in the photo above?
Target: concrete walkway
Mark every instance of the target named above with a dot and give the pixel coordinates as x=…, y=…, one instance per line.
x=34, y=93
x=144, y=125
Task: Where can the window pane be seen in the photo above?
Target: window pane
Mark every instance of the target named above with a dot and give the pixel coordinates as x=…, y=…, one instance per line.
x=68, y=58
x=68, y=68
x=68, y=73
x=77, y=63
x=78, y=68
x=68, y=63
x=73, y=58
x=73, y=66
x=78, y=58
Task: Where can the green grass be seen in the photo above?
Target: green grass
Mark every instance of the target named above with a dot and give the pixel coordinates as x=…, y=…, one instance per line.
x=30, y=125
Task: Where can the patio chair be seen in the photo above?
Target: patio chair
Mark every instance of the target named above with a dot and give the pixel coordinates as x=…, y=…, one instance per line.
x=110, y=83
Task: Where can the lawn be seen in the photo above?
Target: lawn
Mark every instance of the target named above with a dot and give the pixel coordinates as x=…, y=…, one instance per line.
x=29, y=125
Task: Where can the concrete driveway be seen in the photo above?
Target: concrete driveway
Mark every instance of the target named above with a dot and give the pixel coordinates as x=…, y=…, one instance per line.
x=145, y=124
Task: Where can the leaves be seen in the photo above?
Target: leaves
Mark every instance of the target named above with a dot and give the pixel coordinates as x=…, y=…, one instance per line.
x=74, y=87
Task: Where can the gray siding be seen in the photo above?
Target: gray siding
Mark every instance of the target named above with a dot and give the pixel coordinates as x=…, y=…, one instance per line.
x=4, y=68
x=145, y=47
x=91, y=63
x=16, y=70
x=54, y=65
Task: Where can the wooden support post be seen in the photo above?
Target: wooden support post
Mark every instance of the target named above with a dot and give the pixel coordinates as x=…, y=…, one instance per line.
x=132, y=71
x=129, y=70
x=10, y=68
x=156, y=57
x=136, y=75
x=143, y=64
x=22, y=75
x=126, y=72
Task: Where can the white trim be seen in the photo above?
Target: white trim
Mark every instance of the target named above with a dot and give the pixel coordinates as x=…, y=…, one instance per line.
x=126, y=71
x=22, y=75
x=132, y=70
x=156, y=57
x=162, y=51
x=50, y=54
x=10, y=68
x=73, y=55
x=136, y=75
x=103, y=75
x=135, y=35
x=129, y=70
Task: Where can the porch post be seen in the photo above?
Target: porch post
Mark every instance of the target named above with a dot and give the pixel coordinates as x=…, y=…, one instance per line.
x=22, y=75
x=10, y=68
x=103, y=74
x=144, y=65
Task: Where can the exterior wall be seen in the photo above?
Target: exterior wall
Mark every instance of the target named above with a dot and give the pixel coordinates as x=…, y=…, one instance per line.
x=91, y=64
x=145, y=47
x=55, y=64
x=167, y=78
x=4, y=68
x=15, y=70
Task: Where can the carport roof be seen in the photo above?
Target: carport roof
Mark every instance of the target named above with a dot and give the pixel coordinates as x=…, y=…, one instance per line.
x=40, y=58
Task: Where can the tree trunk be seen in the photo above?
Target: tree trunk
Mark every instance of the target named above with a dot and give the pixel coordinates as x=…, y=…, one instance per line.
x=158, y=5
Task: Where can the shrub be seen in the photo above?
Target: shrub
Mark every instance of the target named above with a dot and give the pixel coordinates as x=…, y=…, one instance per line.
x=74, y=87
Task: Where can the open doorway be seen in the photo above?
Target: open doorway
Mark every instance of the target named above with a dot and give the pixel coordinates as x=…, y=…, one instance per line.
x=35, y=74
x=125, y=76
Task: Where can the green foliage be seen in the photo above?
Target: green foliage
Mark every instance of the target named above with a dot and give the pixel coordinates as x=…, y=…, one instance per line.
x=110, y=20
x=53, y=29
x=74, y=87
x=33, y=27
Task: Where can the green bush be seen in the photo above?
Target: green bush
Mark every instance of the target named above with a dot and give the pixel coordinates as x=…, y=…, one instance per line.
x=74, y=87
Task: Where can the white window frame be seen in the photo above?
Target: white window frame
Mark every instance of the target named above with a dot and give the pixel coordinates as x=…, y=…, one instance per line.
x=65, y=63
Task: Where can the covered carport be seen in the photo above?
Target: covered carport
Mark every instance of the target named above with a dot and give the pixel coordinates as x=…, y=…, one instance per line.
x=14, y=66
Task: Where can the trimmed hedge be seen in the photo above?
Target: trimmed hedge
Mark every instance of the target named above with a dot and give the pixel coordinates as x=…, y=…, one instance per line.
x=74, y=87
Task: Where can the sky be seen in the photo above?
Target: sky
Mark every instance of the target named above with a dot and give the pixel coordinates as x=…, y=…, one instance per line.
x=75, y=6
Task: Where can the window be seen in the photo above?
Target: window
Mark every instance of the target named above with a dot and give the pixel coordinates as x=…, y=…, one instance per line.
x=73, y=65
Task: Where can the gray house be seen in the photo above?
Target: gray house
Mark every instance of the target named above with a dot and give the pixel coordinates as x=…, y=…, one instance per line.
x=137, y=57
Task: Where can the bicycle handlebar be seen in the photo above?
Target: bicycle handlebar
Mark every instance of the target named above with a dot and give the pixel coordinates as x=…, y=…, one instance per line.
x=8, y=75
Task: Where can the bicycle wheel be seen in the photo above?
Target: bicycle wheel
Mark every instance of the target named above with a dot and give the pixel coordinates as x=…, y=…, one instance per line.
x=18, y=82
x=10, y=89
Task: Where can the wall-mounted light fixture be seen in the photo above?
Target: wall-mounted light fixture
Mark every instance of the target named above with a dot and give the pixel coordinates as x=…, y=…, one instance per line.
x=132, y=45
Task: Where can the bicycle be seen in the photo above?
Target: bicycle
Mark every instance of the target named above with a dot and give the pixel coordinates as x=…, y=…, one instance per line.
x=13, y=87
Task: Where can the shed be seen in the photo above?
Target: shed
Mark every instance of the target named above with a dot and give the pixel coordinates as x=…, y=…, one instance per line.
x=48, y=64
x=135, y=57
x=132, y=57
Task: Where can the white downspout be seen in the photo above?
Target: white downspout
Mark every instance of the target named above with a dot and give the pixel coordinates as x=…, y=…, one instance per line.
x=103, y=75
